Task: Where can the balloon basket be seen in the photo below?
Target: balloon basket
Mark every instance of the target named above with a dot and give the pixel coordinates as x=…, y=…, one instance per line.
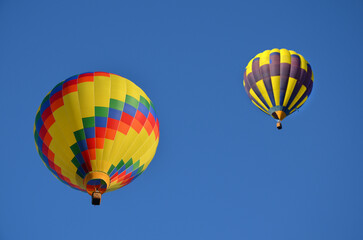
x=96, y=198
x=279, y=125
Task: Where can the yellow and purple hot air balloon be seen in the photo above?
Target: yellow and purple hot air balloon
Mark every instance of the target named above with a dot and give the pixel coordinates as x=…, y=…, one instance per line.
x=96, y=132
x=278, y=82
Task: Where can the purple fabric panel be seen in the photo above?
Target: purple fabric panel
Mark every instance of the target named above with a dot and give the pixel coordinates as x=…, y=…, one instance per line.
x=309, y=88
x=250, y=80
x=265, y=70
x=304, y=77
x=257, y=75
x=247, y=88
x=308, y=84
x=275, y=64
x=260, y=74
x=306, y=81
x=295, y=72
x=247, y=85
x=284, y=79
x=299, y=101
x=295, y=66
x=256, y=70
x=252, y=83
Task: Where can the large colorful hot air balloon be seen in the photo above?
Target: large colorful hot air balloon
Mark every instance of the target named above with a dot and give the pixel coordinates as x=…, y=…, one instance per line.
x=96, y=132
x=278, y=82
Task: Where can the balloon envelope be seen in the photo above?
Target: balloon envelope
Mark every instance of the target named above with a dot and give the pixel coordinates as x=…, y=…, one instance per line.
x=96, y=131
x=278, y=82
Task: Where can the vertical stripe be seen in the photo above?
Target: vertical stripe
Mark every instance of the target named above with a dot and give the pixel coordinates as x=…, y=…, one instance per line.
x=275, y=80
x=265, y=58
x=302, y=102
x=253, y=94
x=289, y=89
x=252, y=83
x=303, y=63
x=86, y=101
x=118, y=92
x=258, y=106
x=254, y=77
x=285, y=56
x=256, y=70
x=262, y=88
x=298, y=96
x=284, y=79
x=102, y=85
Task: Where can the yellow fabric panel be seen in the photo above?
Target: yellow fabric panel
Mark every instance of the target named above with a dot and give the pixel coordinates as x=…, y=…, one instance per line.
x=244, y=84
x=303, y=63
x=108, y=145
x=143, y=94
x=102, y=87
x=69, y=120
x=312, y=76
x=62, y=160
x=71, y=104
x=63, y=154
x=86, y=99
x=259, y=106
x=124, y=152
x=144, y=160
x=148, y=156
x=115, y=155
x=275, y=50
x=253, y=94
x=261, y=86
x=132, y=90
x=285, y=56
x=118, y=87
x=292, y=52
x=141, y=145
x=249, y=65
x=113, y=186
x=293, y=110
x=275, y=81
x=298, y=96
x=61, y=121
x=94, y=163
x=265, y=58
x=289, y=90
x=121, y=147
x=59, y=146
x=97, y=163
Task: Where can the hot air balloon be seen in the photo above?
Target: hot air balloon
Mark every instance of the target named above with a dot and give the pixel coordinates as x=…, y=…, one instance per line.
x=96, y=132
x=278, y=82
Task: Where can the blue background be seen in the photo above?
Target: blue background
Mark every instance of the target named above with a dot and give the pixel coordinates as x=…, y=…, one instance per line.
x=222, y=170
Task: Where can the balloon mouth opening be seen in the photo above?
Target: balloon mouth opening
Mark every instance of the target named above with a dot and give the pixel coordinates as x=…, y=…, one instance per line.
x=96, y=182
x=280, y=115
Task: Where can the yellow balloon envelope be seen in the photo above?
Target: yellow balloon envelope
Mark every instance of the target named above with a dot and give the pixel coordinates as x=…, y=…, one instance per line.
x=96, y=132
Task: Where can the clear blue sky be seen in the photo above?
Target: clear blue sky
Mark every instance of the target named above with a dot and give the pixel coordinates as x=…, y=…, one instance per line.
x=222, y=170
